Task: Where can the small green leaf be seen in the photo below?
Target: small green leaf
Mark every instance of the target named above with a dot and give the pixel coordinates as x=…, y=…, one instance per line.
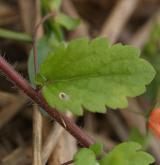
x=136, y=136
x=50, y=25
x=43, y=49
x=93, y=75
x=50, y=5
x=44, y=46
x=18, y=36
x=55, y=4
x=151, y=53
x=66, y=21
x=127, y=153
x=97, y=148
x=85, y=157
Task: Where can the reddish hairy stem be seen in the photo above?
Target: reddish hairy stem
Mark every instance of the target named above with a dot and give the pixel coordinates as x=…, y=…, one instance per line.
x=69, y=162
x=37, y=97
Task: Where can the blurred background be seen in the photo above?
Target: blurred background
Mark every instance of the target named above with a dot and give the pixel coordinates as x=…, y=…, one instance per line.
x=22, y=129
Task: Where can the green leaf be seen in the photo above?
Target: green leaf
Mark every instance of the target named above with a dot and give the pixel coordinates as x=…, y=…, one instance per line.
x=151, y=53
x=50, y=25
x=55, y=4
x=18, y=36
x=66, y=21
x=127, y=153
x=92, y=75
x=44, y=46
x=85, y=157
x=51, y=5
x=97, y=148
x=136, y=136
x=43, y=49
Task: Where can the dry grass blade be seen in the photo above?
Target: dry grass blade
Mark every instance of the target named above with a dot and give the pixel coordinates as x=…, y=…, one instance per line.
x=27, y=12
x=64, y=150
x=18, y=156
x=118, y=18
x=37, y=117
x=51, y=142
x=37, y=136
x=8, y=14
x=141, y=36
x=117, y=125
x=14, y=105
x=82, y=29
x=53, y=139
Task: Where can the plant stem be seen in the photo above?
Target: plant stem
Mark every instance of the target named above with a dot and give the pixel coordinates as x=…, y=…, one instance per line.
x=37, y=136
x=69, y=162
x=35, y=33
x=37, y=97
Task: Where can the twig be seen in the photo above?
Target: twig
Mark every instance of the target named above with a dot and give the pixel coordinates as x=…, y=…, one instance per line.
x=118, y=18
x=38, y=25
x=37, y=117
x=51, y=142
x=46, y=17
x=26, y=9
x=37, y=136
x=37, y=97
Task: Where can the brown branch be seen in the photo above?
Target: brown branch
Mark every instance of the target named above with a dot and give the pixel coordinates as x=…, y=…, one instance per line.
x=37, y=97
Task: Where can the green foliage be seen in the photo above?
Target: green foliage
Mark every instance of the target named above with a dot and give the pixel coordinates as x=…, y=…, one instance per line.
x=127, y=153
x=66, y=21
x=60, y=19
x=92, y=75
x=18, y=36
x=151, y=47
x=85, y=157
x=136, y=136
x=50, y=25
x=97, y=148
x=44, y=46
x=151, y=52
x=55, y=4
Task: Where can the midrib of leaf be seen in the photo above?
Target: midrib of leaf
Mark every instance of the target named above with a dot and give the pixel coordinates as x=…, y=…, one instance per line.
x=84, y=77
x=97, y=74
